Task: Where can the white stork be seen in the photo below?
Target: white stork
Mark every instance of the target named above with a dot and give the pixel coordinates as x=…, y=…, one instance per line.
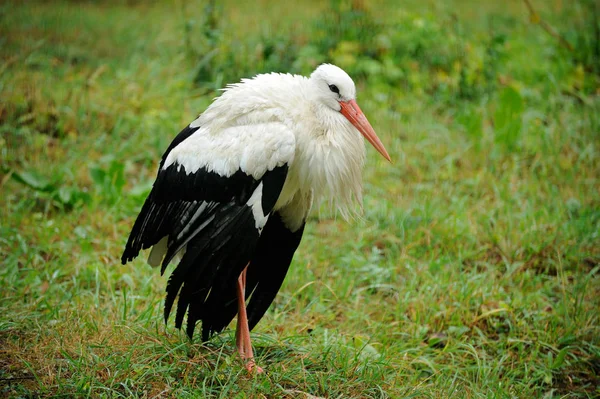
x=234, y=189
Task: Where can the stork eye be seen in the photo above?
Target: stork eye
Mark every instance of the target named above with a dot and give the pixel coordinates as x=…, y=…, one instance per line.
x=334, y=89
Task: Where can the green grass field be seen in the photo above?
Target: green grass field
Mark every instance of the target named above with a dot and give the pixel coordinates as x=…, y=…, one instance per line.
x=474, y=271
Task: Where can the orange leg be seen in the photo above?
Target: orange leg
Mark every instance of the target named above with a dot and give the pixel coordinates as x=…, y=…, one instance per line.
x=242, y=332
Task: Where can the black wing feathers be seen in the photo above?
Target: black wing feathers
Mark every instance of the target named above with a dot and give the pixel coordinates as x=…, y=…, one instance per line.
x=209, y=260
x=272, y=184
x=149, y=223
x=208, y=215
x=173, y=183
x=175, y=196
x=269, y=266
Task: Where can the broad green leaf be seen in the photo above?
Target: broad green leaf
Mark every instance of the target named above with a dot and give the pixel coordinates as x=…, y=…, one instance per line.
x=33, y=180
x=560, y=358
x=98, y=175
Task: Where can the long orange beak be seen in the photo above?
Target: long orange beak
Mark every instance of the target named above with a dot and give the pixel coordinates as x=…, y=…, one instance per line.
x=353, y=113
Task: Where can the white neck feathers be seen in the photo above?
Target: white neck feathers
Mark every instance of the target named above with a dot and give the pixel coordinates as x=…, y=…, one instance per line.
x=329, y=152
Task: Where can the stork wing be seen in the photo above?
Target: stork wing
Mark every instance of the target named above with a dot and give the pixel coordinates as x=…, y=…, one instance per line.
x=268, y=267
x=264, y=277
x=211, y=199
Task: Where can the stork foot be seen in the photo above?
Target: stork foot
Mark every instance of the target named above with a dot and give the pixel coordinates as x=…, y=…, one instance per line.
x=242, y=333
x=253, y=368
x=244, y=347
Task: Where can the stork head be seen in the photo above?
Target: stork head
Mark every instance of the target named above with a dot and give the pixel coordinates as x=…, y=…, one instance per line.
x=336, y=91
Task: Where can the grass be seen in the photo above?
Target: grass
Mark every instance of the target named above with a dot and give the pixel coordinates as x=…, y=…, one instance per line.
x=474, y=271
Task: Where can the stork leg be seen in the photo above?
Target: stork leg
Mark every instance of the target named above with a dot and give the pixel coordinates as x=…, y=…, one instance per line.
x=242, y=332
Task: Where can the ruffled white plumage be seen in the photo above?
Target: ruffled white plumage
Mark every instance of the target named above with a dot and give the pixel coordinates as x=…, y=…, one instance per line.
x=279, y=118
